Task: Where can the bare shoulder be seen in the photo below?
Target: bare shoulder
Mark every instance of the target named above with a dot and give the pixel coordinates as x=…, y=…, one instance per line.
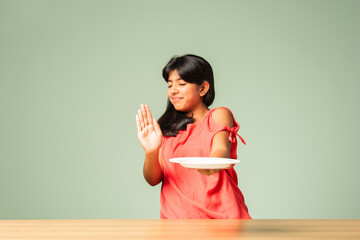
x=223, y=116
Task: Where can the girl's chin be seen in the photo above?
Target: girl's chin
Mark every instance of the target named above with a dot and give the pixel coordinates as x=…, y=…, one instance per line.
x=179, y=108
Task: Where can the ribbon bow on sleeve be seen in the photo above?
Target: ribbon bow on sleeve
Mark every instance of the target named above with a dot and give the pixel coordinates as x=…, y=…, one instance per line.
x=233, y=133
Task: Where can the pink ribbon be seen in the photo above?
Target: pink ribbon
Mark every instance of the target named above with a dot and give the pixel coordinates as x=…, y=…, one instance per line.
x=233, y=133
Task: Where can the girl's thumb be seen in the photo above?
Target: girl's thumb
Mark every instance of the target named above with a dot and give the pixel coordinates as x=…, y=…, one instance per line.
x=156, y=125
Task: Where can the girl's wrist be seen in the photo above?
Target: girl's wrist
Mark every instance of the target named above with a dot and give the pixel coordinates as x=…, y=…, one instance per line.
x=152, y=153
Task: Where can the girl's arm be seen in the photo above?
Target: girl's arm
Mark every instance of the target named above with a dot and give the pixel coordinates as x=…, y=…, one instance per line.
x=220, y=145
x=153, y=169
x=150, y=137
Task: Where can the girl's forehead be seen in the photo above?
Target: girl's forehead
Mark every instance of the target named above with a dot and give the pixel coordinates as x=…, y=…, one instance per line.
x=174, y=75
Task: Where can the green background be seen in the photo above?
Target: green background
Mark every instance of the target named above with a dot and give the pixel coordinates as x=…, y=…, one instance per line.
x=74, y=73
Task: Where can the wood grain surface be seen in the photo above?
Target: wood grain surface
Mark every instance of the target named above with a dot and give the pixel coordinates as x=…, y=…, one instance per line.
x=180, y=229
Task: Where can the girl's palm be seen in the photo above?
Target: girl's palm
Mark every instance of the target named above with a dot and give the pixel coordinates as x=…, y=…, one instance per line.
x=149, y=132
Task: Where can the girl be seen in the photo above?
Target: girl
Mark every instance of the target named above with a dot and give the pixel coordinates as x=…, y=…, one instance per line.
x=188, y=128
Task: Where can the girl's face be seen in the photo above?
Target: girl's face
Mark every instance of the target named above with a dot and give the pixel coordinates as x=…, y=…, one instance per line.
x=183, y=95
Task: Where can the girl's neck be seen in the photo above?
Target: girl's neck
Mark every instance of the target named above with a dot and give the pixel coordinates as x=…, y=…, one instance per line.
x=198, y=113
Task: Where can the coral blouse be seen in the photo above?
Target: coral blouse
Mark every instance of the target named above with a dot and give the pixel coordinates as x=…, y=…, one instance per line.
x=188, y=194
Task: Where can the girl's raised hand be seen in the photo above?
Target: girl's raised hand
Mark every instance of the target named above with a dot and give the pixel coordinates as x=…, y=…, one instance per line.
x=148, y=130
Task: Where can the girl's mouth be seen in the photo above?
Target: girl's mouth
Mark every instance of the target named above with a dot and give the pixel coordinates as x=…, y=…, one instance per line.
x=176, y=99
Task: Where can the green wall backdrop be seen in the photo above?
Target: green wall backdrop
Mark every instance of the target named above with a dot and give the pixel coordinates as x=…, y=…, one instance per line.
x=74, y=73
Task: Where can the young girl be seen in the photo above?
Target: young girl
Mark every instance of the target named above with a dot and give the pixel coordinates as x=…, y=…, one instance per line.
x=188, y=128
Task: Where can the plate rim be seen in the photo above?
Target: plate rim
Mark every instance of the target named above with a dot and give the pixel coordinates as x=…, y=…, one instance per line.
x=232, y=160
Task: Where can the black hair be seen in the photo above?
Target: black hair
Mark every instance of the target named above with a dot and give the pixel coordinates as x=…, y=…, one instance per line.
x=192, y=69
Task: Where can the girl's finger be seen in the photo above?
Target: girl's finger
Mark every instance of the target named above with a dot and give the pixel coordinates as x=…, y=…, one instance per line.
x=148, y=113
x=141, y=120
x=143, y=110
x=146, y=130
x=157, y=127
x=151, y=127
x=231, y=166
x=138, y=124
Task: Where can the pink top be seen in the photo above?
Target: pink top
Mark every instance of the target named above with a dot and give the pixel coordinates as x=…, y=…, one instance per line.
x=188, y=194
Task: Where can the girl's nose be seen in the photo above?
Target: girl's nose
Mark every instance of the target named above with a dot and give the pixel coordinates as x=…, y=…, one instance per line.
x=173, y=89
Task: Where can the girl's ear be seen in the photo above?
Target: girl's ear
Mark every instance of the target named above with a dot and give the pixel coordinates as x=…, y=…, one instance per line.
x=204, y=88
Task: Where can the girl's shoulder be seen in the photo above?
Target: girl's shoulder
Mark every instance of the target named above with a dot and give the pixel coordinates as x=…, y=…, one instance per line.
x=223, y=115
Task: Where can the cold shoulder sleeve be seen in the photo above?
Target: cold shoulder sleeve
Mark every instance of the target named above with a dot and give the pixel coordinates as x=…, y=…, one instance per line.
x=233, y=131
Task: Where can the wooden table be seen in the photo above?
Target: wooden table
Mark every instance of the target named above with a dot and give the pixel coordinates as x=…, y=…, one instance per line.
x=180, y=229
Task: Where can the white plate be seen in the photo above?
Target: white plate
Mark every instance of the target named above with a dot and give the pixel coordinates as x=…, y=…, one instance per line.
x=204, y=162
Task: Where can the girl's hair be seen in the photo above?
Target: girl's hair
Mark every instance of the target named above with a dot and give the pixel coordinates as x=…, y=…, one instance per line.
x=192, y=69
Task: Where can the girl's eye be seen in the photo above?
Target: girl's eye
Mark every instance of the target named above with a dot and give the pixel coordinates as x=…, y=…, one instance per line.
x=181, y=84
